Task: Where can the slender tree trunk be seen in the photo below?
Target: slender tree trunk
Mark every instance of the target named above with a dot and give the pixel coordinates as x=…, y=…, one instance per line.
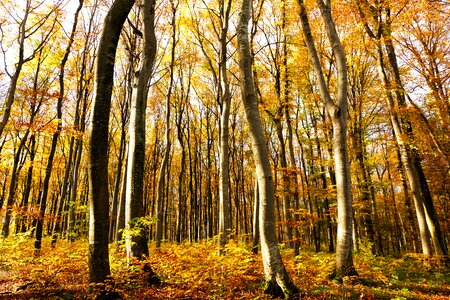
x=164, y=164
x=255, y=235
x=225, y=225
x=209, y=193
x=120, y=218
x=22, y=223
x=277, y=279
x=34, y=108
x=293, y=187
x=98, y=156
x=410, y=169
x=181, y=175
x=56, y=134
x=117, y=184
x=17, y=166
x=63, y=197
x=15, y=77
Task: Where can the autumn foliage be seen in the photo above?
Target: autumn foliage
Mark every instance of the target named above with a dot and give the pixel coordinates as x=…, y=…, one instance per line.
x=195, y=271
x=196, y=165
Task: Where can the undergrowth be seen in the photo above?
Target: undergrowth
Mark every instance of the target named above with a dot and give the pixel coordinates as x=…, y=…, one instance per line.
x=195, y=271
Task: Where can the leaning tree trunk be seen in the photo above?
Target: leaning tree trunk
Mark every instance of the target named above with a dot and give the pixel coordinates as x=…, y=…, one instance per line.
x=338, y=114
x=98, y=142
x=277, y=279
x=136, y=237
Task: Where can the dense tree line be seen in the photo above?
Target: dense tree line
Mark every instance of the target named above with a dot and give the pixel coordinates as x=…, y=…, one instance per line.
x=314, y=124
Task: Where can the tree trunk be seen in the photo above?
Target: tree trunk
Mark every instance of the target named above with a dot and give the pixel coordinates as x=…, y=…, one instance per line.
x=62, y=201
x=17, y=166
x=98, y=142
x=255, y=235
x=165, y=161
x=136, y=239
x=277, y=279
x=56, y=134
x=22, y=222
x=225, y=225
x=338, y=115
x=429, y=226
x=120, y=218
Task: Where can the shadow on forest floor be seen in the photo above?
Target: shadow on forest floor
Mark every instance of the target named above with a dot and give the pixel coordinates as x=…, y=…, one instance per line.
x=195, y=271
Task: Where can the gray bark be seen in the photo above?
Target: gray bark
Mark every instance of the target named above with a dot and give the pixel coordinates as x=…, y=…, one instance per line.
x=136, y=239
x=429, y=227
x=225, y=225
x=337, y=110
x=277, y=279
x=164, y=164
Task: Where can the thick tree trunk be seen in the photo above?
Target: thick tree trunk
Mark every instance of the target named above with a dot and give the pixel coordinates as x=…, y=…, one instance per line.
x=98, y=142
x=136, y=240
x=277, y=279
x=338, y=114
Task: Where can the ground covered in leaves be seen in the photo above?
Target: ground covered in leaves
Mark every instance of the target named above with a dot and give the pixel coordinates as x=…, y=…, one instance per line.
x=195, y=271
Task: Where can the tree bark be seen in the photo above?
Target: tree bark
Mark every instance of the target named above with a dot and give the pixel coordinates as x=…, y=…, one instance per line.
x=98, y=142
x=165, y=162
x=225, y=225
x=56, y=134
x=428, y=222
x=277, y=279
x=338, y=114
x=136, y=238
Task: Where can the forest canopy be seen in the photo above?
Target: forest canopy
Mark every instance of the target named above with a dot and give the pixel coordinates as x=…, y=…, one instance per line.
x=309, y=125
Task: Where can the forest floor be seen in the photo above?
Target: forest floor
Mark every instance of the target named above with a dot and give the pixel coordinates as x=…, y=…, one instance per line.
x=195, y=271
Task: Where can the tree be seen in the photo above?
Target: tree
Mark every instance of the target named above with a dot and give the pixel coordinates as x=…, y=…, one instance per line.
x=163, y=173
x=20, y=154
x=25, y=33
x=337, y=111
x=98, y=142
x=277, y=279
x=136, y=240
x=56, y=134
x=225, y=103
x=395, y=94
